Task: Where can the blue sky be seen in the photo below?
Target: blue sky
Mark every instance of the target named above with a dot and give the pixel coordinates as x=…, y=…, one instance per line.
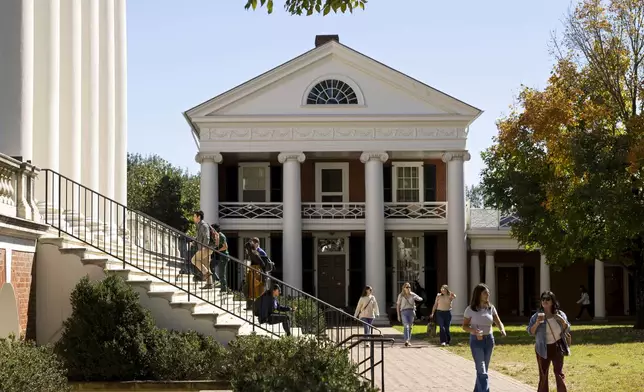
x=182, y=53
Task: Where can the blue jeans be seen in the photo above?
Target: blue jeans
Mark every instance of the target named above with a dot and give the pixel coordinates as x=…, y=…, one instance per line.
x=407, y=316
x=444, y=319
x=367, y=328
x=482, y=353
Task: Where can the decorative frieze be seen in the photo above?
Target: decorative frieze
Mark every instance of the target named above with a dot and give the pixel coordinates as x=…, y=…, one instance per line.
x=324, y=133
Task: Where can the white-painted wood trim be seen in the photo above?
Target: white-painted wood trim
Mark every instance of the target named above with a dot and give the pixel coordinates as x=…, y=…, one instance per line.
x=344, y=166
x=240, y=178
x=9, y=247
x=346, y=261
x=421, y=179
x=343, y=78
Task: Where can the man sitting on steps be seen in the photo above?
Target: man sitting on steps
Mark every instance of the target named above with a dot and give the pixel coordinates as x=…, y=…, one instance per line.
x=269, y=306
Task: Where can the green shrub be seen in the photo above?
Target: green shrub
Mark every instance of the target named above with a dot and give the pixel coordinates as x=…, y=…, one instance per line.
x=108, y=334
x=308, y=317
x=185, y=356
x=260, y=364
x=26, y=367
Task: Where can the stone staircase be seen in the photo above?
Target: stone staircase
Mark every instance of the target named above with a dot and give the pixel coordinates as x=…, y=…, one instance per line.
x=179, y=305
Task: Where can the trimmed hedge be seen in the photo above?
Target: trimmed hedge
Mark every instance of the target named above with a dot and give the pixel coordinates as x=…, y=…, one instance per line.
x=26, y=367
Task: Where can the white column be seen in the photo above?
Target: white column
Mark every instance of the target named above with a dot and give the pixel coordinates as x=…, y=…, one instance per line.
x=544, y=274
x=16, y=78
x=292, y=218
x=209, y=187
x=107, y=98
x=600, y=291
x=490, y=274
x=456, y=237
x=375, y=228
x=47, y=95
x=120, y=170
x=475, y=269
x=70, y=97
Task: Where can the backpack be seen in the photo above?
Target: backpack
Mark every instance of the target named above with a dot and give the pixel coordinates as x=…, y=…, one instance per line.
x=257, y=307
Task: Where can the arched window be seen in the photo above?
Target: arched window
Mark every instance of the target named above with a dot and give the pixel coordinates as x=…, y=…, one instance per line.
x=332, y=92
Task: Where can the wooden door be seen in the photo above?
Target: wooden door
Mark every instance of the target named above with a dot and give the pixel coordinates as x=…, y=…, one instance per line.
x=332, y=279
x=614, y=278
x=507, y=287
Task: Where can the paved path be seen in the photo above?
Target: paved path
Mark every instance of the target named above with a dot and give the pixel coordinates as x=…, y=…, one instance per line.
x=425, y=367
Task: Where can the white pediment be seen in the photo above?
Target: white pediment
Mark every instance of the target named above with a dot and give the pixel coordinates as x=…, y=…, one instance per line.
x=382, y=91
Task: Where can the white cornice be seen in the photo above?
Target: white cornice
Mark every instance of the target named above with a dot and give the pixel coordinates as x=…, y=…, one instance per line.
x=455, y=119
x=323, y=133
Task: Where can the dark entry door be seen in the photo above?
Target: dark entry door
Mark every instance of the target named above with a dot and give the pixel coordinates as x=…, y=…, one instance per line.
x=507, y=286
x=332, y=279
x=614, y=277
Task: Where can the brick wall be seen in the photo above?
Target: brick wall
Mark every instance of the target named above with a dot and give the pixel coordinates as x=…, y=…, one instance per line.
x=23, y=278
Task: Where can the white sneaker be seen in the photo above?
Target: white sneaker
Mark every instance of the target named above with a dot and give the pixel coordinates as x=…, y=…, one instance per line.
x=443, y=344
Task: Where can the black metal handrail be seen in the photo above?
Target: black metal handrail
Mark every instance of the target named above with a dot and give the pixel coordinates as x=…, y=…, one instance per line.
x=366, y=359
x=109, y=226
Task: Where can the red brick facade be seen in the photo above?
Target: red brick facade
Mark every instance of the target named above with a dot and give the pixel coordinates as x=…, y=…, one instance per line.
x=23, y=278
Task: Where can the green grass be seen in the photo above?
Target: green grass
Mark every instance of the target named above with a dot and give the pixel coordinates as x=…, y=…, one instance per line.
x=604, y=357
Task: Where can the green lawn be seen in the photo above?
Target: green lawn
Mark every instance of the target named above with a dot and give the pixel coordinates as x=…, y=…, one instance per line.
x=604, y=357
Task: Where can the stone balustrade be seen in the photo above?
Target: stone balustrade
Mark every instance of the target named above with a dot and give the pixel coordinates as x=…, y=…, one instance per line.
x=17, y=182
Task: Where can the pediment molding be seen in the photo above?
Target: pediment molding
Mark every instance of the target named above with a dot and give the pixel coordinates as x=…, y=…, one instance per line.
x=331, y=133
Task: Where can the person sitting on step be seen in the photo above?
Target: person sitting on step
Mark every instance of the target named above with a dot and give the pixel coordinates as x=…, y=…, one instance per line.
x=270, y=306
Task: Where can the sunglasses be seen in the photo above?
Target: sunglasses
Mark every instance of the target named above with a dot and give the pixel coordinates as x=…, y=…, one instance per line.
x=546, y=299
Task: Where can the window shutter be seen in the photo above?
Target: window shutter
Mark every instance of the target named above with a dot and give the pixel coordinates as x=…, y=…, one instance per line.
x=356, y=268
x=387, y=183
x=232, y=183
x=276, y=184
x=429, y=174
x=431, y=265
x=276, y=255
x=389, y=268
x=308, y=273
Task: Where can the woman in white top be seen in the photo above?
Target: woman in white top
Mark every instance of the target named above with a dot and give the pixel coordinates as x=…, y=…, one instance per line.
x=584, y=302
x=478, y=320
x=367, y=309
x=443, y=310
x=406, y=307
x=550, y=326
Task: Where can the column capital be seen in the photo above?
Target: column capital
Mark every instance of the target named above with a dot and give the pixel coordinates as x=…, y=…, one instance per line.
x=369, y=155
x=490, y=252
x=475, y=252
x=291, y=156
x=456, y=155
x=209, y=156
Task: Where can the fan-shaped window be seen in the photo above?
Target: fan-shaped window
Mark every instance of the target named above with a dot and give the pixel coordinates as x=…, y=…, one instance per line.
x=332, y=92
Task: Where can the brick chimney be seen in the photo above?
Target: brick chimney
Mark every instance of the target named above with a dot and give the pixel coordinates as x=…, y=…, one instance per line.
x=323, y=39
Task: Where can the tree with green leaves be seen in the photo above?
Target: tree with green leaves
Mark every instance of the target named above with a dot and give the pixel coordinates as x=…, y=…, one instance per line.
x=162, y=191
x=310, y=7
x=474, y=196
x=568, y=159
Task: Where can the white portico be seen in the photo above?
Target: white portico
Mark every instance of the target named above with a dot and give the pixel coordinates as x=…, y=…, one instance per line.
x=318, y=148
x=63, y=102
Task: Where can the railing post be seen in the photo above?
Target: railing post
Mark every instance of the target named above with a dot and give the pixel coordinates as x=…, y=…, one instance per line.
x=124, y=231
x=46, y=196
x=60, y=180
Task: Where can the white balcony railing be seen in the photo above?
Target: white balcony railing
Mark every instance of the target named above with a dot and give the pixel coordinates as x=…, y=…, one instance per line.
x=427, y=210
x=333, y=211
x=487, y=218
x=17, y=181
x=246, y=210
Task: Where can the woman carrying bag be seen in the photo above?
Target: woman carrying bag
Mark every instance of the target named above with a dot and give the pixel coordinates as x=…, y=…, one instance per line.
x=367, y=309
x=551, y=328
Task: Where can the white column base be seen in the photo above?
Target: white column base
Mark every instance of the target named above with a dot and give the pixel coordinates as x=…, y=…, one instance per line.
x=381, y=321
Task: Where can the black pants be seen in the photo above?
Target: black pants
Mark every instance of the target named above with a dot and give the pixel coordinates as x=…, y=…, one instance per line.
x=588, y=309
x=284, y=319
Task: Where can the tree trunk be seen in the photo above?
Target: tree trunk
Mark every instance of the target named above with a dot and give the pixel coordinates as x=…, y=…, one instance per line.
x=638, y=274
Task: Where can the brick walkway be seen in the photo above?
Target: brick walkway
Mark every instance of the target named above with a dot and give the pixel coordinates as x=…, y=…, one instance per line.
x=425, y=367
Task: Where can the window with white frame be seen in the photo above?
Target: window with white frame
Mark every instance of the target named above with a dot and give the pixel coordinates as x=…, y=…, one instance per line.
x=408, y=263
x=254, y=182
x=332, y=182
x=408, y=182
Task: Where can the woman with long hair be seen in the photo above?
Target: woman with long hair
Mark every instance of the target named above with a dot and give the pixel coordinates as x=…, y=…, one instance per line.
x=443, y=310
x=478, y=319
x=406, y=308
x=367, y=309
x=550, y=326
x=254, y=280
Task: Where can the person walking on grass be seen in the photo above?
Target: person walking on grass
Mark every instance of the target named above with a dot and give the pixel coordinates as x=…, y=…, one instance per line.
x=584, y=303
x=367, y=309
x=478, y=319
x=550, y=326
x=443, y=310
x=406, y=308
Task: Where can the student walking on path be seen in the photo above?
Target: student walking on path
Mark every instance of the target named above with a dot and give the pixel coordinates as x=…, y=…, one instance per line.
x=406, y=307
x=550, y=328
x=443, y=310
x=478, y=320
x=367, y=309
